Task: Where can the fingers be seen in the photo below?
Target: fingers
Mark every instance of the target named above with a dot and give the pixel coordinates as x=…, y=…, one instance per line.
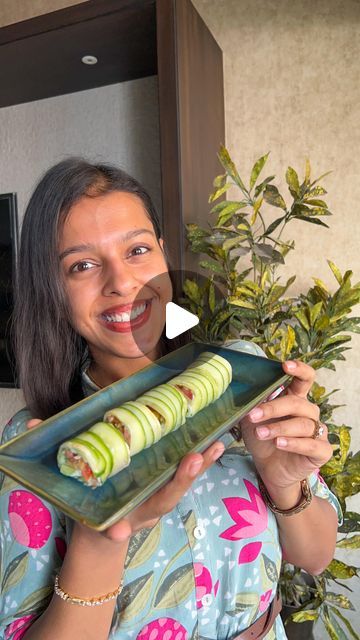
x=283, y=407
x=294, y=427
x=33, y=423
x=317, y=451
x=304, y=376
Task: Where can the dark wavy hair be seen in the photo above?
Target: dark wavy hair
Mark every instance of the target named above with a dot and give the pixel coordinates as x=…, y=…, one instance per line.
x=49, y=353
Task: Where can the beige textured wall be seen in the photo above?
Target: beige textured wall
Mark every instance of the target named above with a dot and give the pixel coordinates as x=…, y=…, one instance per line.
x=12, y=11
x=292, y=87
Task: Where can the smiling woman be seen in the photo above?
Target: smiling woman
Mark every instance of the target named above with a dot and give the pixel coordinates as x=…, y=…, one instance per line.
x=116, y=281
x=201, y=555
x=96, y=240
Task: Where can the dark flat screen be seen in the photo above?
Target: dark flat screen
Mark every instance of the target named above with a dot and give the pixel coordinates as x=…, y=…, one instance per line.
x=8, y=251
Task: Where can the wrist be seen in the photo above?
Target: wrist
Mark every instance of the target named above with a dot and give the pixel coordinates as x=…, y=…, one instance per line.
x=286, y=501
x=284, y=497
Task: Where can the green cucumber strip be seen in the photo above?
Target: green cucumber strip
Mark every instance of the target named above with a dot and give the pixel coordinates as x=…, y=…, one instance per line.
x=137, y=411
x=100, y=446
x=115, y=442
x=132, y=429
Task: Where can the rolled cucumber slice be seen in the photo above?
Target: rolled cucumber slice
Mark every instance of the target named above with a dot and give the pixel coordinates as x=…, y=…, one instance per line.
x=130, y=426
x=215, y=376
x=177, y=400
x=87, y=452
x=184, y=383
x=98, y=443
x=163, y=406
x=115, y=442
x=219, y=361
x=149, y=421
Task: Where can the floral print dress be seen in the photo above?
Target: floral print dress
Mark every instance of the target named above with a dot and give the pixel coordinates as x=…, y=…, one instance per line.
x=206, y=571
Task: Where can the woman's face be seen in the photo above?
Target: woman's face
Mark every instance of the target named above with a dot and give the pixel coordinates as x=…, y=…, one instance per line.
x=113, y=266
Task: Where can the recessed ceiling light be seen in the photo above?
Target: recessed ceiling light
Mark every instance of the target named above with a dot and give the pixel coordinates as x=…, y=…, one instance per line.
x=89, y=59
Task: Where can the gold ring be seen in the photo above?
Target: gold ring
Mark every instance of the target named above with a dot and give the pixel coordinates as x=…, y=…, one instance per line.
x=318, y=429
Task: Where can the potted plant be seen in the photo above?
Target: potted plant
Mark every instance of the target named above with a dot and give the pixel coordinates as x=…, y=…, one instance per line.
x=242, y=250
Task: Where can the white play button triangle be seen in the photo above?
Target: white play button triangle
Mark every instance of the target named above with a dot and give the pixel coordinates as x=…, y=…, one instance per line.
x=178, y=320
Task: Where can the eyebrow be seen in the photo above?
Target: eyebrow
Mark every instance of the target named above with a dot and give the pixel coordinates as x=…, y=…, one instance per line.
x=86, y=247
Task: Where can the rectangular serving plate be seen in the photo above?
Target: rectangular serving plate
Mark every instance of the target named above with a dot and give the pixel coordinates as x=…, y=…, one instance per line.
x=30, y=458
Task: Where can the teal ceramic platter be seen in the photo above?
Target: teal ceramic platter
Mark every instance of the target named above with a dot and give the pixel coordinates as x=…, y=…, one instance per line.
x=30, y=458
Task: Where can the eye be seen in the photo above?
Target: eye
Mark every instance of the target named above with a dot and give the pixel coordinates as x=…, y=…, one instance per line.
x=139, y=250
x=80, y=267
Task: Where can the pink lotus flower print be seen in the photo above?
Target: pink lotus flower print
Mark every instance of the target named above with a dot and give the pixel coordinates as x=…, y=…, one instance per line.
x=265, y=600
x=203, y=583
x=16, y=629
x=250, y=516
x=30, y=519
x=163, y=629
x=249, y=552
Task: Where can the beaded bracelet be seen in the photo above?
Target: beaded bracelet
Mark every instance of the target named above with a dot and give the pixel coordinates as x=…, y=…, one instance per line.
x=86, y=602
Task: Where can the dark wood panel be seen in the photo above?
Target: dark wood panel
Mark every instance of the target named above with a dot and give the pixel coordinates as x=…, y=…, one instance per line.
x=39, y=59
x=169, y=132
x=191, y=101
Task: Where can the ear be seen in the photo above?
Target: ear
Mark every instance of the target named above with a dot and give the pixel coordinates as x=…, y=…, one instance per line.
x=161, y=243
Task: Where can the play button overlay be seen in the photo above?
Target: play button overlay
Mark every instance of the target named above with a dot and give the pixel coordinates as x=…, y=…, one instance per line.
x=178, y=320
x=161, y=318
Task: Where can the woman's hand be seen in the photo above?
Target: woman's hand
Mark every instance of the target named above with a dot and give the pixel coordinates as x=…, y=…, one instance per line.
x=161, y=502
x=279, y=433
x=166, y=498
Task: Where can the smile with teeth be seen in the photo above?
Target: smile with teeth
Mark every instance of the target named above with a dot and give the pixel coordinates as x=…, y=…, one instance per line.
x=126, y=316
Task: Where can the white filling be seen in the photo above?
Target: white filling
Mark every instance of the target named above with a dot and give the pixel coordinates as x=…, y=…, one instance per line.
x=126, y=316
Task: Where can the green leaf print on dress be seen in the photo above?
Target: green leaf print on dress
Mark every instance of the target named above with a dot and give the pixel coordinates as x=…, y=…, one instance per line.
x=135, y=597
x=142, y=546
x=15, y=571
x=175, y=588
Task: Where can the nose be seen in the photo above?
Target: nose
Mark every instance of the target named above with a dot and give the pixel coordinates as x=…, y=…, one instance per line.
x=119, y=279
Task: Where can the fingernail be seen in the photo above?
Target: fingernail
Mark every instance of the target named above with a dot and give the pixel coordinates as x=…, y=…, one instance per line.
x=217, y=453
x=281, y=442
x=195, y=467
x=262, y=432
x=291, y=365
x=256, y=414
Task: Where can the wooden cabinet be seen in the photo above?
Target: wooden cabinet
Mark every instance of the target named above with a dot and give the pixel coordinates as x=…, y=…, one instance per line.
x=41, y=57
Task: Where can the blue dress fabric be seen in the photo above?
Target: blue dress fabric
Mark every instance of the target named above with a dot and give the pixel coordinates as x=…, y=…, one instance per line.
x=207, y=570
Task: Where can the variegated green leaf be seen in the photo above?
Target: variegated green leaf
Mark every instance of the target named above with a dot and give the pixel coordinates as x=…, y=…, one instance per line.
x=257, y=168
x=270, y=568
x=339, y=569
x=336, y=271
x=35, y=602
x=230, y=168
x=273, y=197
x=347, y=624
x=15, y=571
x=245, y=602
x=314, y=312
x=339, y=600
x=219, y=192
x=305, y=615
x=142, y=546
x=293, y=181
x=238, y=302
x=175, y=588
x=135, y=596
x=256, y=210
x=211, y=297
